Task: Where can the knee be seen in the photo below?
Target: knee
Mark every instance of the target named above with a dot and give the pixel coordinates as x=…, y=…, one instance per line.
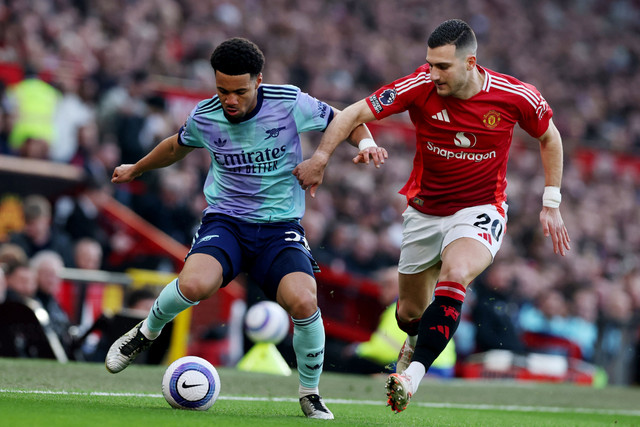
x=409, y=310
x=458, y=274
x=302, y=306
x=197, y=288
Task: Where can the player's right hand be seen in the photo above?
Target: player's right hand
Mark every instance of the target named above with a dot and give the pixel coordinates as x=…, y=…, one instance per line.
x=124, y=173
x=553, y=225
x=311, y=172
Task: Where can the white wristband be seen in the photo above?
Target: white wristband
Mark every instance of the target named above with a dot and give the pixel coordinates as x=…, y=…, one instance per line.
x=551, y=197
x=366, y=143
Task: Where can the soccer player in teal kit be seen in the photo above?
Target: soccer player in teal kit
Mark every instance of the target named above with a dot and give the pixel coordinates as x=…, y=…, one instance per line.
x=251, y=131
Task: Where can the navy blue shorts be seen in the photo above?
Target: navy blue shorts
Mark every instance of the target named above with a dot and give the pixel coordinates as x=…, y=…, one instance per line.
x=260, y=249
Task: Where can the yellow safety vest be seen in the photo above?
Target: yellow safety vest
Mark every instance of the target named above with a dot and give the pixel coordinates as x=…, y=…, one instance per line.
x=35, y=103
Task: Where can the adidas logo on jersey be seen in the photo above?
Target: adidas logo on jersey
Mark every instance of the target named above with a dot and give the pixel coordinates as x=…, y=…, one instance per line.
x=443, y=116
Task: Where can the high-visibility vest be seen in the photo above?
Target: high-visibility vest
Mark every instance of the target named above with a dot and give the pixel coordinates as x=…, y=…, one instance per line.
x=35, y=106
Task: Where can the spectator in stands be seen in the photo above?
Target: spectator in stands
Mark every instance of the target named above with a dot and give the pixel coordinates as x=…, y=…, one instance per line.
x=338, y=242
x=48, y=266
x=100, y=162
x=79, y=214
x=547, y=315
x=11, y=253
x=87, y=145
x=21, y=281
x=156, y=124
x=617, y=334
x=39, y=233
x=362, y=257
x=33, y=104
x=582, y=322
x=72, y=114
x=87, y=254
x=123, y=112
x=34, y=148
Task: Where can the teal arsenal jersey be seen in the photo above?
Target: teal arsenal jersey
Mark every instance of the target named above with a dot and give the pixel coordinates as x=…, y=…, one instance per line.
x=250, y=176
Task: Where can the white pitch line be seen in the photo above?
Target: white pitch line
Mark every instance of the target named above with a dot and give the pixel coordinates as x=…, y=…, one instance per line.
x=483, y=407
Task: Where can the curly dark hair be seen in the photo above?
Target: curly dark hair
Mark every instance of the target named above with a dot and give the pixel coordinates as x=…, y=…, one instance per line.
x=238, y=56
x=455, y=32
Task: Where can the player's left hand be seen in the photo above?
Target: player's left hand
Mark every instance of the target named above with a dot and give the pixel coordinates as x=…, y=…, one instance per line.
x=552, y=225
x=310, y=173
x=377, y=154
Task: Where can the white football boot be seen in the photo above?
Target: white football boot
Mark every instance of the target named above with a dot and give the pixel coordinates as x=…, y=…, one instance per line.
x=399, y=392
x=125, y=349
x=313, y=407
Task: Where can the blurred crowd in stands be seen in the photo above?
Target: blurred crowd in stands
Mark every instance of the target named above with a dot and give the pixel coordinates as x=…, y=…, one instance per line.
x=95, y=82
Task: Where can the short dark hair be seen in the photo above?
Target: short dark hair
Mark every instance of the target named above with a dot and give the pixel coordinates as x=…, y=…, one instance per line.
x=238, y=56
x=455, y=32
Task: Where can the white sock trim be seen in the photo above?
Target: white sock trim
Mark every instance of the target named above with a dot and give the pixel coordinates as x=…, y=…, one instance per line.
x=151, y=335
x=306, y=391
x=415, y=372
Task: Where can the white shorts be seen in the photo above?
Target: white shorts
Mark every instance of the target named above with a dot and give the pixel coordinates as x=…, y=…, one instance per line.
x=424, y=237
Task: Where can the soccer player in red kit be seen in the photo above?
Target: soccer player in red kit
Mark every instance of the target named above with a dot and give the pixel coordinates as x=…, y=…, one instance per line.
x=456, y=217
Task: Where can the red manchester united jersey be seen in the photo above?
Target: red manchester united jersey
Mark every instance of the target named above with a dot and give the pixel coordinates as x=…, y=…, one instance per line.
x=462, y=146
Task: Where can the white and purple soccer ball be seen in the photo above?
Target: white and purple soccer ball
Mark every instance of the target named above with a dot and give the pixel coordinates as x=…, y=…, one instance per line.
x=191, y=383
x=266, y=321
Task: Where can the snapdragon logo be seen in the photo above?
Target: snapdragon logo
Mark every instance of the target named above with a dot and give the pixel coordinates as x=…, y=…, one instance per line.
x=465, y=140
x=460, y=155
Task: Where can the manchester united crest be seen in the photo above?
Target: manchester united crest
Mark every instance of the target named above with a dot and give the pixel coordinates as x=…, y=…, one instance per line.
x=491, y=119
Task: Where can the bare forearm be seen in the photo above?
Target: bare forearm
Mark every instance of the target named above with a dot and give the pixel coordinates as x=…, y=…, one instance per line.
x=552, y=156
x=359, y=133
x=166, y=153
x=347, y=125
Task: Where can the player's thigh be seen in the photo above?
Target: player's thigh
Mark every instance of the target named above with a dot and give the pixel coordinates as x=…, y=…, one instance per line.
x=473, y=237
x=200, y=277
x=463, y=260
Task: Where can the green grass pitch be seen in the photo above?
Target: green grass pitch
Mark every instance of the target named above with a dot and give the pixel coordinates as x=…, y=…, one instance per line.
x=45, y=393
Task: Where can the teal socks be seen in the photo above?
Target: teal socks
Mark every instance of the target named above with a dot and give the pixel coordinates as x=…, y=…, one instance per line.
x=308, y=343
x=167, y=306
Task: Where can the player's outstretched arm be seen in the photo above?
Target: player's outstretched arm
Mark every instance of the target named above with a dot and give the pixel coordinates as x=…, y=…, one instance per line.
x=361, y=138
x=550, y=217
x=346, y=125
x=167, y=152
